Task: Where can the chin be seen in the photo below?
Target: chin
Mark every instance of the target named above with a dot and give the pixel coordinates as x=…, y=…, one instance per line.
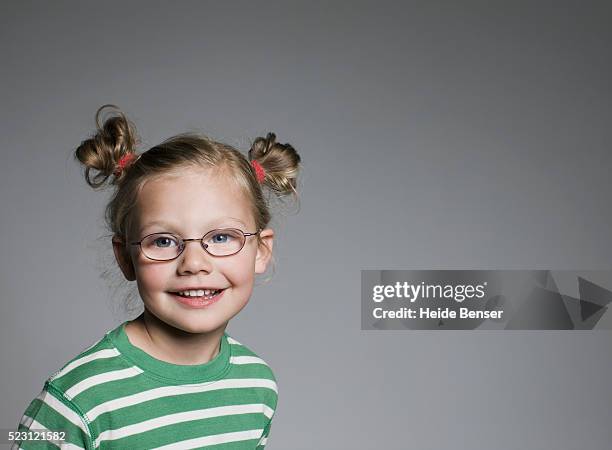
x=198, y=325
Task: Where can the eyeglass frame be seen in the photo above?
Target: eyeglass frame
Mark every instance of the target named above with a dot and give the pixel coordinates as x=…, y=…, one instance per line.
x=184, y=241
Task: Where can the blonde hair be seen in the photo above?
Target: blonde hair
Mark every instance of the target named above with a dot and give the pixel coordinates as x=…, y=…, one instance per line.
x=117, y=137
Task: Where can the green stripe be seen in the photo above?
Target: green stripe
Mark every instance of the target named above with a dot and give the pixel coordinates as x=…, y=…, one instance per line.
x=250, y=371
x=191, y=429
x=240, y=350
x=170, y=405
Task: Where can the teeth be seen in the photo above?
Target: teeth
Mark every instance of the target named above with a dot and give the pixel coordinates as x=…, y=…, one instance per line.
x=198, y=293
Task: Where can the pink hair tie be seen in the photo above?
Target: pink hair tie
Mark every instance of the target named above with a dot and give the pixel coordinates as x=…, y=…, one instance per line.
x=125, y=161
x=259, y=171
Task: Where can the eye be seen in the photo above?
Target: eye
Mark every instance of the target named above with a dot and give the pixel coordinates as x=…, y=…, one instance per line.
x=164, y=241
x=221, y=238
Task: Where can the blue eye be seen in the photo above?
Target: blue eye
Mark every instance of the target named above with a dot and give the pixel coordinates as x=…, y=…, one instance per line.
x=164, y=238
x=221, y=240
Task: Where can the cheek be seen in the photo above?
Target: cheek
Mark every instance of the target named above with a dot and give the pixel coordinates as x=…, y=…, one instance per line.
x=152, y=276
x=240, y=271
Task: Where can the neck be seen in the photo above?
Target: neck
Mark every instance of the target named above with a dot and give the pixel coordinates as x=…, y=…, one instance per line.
x=170, y=344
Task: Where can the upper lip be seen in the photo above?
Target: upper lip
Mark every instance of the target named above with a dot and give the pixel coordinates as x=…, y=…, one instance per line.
x=198, y=289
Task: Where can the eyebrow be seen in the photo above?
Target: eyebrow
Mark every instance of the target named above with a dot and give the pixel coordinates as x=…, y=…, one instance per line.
x=171, y=226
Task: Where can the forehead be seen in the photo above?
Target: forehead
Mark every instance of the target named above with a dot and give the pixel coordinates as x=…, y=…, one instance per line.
x=192, y=200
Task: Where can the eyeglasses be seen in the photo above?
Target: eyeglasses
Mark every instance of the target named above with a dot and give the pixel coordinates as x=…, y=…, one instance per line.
x=218, y=242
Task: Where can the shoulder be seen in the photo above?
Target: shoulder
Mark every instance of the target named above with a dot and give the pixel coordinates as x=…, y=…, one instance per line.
x=97, y=361
x=243, y=355
x=246, y=364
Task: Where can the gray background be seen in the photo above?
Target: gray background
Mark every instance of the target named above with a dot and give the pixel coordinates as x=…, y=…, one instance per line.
x=434, y=135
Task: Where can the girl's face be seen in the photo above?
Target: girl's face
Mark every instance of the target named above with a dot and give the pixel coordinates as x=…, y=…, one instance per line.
x=190, y=205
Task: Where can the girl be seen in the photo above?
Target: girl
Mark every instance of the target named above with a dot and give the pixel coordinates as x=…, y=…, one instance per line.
x=189, y=223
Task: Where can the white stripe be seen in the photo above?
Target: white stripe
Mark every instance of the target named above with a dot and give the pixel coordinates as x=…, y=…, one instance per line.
x=213, y=440
x=170, y=391
x=181, y=417
x=101, y=379
x=247, y=360
x=65, y=412
x=26, y=421
x=262, y=441
x=70, y=446
x=233, y=341
x=106, y=353
x=61, y=444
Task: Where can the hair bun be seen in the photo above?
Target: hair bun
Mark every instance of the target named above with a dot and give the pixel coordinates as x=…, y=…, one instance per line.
x=262, y=145
x=114, y=139
x=279, y=161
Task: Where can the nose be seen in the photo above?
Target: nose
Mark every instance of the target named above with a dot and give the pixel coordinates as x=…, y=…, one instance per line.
x=194, y=258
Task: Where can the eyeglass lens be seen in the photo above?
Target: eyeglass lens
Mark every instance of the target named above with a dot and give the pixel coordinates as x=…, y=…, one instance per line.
x=164, y=246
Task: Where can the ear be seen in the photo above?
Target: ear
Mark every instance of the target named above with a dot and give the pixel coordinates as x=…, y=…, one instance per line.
x=123, y=259
x=264, y=250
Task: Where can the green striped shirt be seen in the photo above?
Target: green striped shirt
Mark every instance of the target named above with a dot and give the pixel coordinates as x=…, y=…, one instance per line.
x=114, y=395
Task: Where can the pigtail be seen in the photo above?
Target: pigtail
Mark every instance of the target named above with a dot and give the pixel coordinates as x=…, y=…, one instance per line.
x=280, y=164
x=110, y=150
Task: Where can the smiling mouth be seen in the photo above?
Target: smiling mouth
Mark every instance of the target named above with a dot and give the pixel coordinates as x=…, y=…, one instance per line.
x=210, y=294
x=203, y=301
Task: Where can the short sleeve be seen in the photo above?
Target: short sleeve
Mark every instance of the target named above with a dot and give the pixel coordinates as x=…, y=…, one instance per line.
x=264, y=436
x=50, y=415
